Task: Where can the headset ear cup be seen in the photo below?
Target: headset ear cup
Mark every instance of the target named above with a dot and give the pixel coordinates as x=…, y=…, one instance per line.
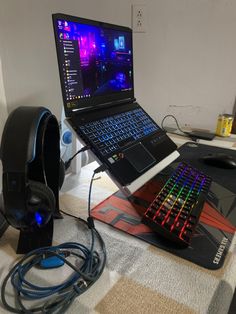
x=1, y=203
x=42, y=195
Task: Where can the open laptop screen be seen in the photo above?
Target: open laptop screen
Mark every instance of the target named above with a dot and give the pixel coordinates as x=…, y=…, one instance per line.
x=95, y=61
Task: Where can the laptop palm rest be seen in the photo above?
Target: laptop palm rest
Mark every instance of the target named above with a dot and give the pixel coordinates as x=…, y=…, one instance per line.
x=139, y=157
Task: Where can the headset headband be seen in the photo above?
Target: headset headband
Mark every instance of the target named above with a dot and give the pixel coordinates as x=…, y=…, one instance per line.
x=18, y=143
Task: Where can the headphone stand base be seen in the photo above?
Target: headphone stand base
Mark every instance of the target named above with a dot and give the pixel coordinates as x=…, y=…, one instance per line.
x=3, y=224
x=57, y=214
x=31, y=240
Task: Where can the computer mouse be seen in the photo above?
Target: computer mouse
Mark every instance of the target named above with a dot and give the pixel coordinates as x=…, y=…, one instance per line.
x=220, y=161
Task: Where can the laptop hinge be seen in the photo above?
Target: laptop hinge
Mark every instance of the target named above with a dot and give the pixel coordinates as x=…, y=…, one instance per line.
x=104, y=105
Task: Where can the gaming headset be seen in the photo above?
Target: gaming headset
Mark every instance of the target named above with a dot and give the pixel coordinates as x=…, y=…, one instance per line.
x=30, y=154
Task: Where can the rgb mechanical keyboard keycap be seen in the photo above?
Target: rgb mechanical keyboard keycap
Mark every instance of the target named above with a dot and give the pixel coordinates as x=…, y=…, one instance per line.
x=176, y=209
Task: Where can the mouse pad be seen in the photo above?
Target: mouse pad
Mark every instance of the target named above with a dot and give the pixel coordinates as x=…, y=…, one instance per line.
x=214, y=233
x=192, y=153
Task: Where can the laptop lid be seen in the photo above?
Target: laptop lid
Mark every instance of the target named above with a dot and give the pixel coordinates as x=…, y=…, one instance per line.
x=95, y=62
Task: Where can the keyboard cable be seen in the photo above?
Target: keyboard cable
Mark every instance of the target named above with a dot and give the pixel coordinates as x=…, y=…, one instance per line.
x=59, y=297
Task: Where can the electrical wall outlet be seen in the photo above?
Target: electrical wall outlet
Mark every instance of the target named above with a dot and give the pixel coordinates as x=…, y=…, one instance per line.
x=139, y=18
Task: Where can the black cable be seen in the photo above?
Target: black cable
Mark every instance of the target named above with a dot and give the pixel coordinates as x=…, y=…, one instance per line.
x=193, y=138
x=60, y=296
x=68, y=162
x=90, y=220
x=89, y=198
x=167, y=116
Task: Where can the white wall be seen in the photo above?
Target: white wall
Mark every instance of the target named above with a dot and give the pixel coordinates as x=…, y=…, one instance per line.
x=184, y=64
x=3, y=104
x=3, y=113
x=189, y=64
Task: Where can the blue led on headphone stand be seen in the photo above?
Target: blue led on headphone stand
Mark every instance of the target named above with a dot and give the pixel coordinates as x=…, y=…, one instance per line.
x=39, y=218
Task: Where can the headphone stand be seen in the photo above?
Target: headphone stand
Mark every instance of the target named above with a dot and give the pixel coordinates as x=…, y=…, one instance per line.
x=57, y=214
x=3, y=222
x=41, y=237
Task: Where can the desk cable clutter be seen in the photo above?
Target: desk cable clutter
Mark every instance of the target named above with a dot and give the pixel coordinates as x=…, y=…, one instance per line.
x=87, y=264
x=193, y=135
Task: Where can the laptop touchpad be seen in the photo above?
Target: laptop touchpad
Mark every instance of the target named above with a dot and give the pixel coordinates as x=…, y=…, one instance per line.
x=139, y=157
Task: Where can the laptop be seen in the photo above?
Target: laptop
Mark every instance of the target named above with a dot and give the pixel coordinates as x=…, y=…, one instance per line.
x=96, y=71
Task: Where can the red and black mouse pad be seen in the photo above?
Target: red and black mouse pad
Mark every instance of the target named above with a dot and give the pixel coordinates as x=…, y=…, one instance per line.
x=212, y=237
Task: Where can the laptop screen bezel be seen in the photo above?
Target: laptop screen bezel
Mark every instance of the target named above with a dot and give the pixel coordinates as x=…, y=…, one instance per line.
x=93, y=102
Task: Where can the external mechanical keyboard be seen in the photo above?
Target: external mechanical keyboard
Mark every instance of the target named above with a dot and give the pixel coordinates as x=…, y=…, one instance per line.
x=111, y=133
x=176, y=209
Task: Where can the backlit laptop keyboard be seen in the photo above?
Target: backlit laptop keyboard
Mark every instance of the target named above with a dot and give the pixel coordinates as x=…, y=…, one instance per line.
x=112, y=133
x=175, y=211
